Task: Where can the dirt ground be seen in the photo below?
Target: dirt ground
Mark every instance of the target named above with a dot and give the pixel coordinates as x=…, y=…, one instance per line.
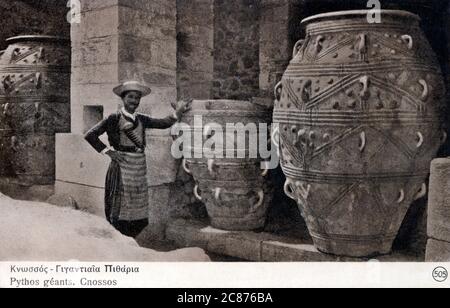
x=34, y=231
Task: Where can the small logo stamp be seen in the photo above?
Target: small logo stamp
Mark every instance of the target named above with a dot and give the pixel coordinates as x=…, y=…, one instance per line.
x=440, y=274
x=374, y=14
x=74, y=15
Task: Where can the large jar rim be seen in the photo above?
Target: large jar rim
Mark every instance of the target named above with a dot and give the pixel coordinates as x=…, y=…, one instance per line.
x=38, y=38
x=358, y=13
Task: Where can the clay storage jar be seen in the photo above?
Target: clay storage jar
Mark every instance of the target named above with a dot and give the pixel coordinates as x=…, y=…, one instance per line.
x=236, y=191
x=358, y=112
x=34, y=105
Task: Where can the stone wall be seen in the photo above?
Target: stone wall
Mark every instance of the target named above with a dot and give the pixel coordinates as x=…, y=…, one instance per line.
x=236, y=49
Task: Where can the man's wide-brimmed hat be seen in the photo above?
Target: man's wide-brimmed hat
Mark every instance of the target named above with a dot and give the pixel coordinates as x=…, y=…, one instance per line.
x=132, y=86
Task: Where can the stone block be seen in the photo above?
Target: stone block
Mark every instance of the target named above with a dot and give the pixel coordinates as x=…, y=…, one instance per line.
x=148, y=74
x=135, y=49
x=162, y=167
x=261, y=247
x=196, y=59
x=275, y=48
x=270, y=4
x=77, y=162
x=439, y=200
x=155, y=231
x=186, y=234
x=150, y=6
x=94, y=51
x=89, y=199
x=196, y=10
x=264, y=80
x=91, y=95
x=437, y=251
x=235, y=244
x=76, y=34
x=97, y=23
x=157, y=23
x=242, y=245
x=157, y=104
x=158, y=213
x=92, y=5
x=274, y=251
x=164, y=54
x=199, y=36
x=95, y=74
x=194, y=90
x=94, y=94
x=280, y=12
x=158, y=203
x=275, y=32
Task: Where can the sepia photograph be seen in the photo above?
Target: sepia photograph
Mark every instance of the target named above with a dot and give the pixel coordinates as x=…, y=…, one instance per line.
x=194, y=143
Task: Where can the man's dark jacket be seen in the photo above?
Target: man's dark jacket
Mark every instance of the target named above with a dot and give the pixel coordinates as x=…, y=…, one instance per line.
x=110, y=126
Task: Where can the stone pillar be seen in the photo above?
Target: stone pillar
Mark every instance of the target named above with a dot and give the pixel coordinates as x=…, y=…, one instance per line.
x=95, y=62
x=80, y=171
x=195, y=36
x=119, y=40
x=275, y=52
x=438, y=248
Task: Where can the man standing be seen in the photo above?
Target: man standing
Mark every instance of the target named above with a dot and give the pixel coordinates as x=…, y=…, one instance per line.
x=126, y=189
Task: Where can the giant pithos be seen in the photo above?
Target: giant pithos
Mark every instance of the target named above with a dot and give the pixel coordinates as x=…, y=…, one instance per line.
x=358, y=114
x=224, y=159
x=34, y=105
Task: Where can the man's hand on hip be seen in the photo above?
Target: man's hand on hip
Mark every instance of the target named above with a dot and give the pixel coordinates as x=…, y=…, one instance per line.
x=115, y=156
